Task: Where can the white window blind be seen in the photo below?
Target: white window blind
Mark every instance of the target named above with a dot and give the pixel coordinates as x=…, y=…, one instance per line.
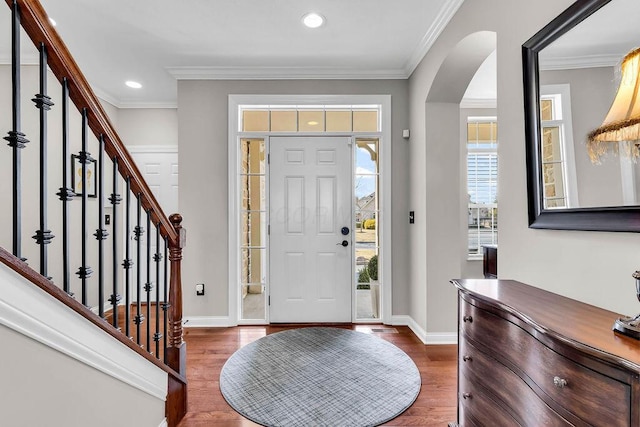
x=482, y=183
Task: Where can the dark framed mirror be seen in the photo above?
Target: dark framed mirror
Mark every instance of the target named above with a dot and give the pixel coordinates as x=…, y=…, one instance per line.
x=570, y=71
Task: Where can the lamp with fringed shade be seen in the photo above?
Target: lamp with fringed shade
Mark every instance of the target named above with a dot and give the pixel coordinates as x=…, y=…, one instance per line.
x=620, y=131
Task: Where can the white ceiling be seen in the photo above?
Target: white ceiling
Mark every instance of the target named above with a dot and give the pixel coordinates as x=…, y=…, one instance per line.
x=602, y=39
x=156, y=41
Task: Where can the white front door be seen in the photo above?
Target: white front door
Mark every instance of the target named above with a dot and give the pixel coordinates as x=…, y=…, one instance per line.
x=310, y=204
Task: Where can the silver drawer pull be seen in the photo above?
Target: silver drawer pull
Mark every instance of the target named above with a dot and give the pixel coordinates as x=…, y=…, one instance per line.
x=466, y=395
x=559, y=382
x=467, y=319
x=467, y=358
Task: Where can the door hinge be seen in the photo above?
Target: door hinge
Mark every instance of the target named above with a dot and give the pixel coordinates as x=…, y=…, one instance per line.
x=269, y=230
x=269, y=158
x=269, y=303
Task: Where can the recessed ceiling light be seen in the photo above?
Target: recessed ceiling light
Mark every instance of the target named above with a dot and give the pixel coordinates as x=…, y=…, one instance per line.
x=53, y=22
x=313, y=20
x=132, y=84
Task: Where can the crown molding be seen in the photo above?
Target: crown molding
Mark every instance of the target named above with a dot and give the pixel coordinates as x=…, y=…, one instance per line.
x=478, y=103
x=440, y=22
x=576, y=62
x=301, y=73
x=121, y=105
x=281, y=73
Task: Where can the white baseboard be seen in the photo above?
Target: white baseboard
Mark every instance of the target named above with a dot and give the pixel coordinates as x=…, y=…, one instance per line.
x=28, y=310
x=207, y=322
x=442, y=338
x=405, y=320
x=424, y=336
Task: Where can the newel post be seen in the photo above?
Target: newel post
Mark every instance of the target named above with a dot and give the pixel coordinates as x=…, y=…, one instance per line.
x=176, y=349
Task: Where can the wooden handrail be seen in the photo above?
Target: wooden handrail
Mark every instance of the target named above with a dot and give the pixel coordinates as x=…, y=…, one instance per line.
x=35, y=22
x=37, y=26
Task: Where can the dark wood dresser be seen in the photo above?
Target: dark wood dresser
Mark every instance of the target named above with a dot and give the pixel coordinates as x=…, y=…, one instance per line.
x=533, y=358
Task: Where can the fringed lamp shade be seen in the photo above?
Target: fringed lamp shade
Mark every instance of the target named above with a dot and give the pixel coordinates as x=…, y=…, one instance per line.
x=620, y=131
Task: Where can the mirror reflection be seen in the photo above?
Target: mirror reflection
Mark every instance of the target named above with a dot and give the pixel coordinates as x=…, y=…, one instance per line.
x=579, y=77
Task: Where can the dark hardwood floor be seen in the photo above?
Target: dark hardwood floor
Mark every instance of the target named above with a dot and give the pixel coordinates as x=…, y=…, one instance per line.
x=209, y=348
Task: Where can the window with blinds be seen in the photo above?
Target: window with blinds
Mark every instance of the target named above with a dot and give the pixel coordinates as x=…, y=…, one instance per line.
x=482, y=182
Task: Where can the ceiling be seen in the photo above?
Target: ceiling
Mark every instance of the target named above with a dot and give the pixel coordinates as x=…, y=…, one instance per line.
x=600, y=40
x=156, y=42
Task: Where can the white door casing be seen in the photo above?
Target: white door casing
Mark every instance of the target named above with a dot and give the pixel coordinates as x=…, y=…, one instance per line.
x=159, y=168
x=235, y=104
x=310, y=203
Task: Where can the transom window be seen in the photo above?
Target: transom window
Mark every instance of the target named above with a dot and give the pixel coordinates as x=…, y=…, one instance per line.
x=292, y=118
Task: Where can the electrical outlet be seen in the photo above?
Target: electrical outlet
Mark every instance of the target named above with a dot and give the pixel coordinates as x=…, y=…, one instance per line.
x=107, y=219
x=200, y=289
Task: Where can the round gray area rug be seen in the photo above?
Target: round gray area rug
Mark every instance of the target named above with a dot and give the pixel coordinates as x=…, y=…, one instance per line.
x=320, y=377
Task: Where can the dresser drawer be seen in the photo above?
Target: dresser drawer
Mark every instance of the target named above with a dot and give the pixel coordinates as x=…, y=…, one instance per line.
x=527, y=408
x=580, y=390
x=478, y=409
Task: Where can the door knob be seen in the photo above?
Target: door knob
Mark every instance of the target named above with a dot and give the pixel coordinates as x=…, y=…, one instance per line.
x=343, y=243
x=345, y=231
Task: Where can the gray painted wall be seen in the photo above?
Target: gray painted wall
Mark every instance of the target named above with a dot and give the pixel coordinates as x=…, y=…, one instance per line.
x=588, y=266
x=148, y=126
x=203, y=122
x=65, y=392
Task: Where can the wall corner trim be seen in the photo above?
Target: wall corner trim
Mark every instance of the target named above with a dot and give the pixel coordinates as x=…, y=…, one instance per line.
x=406, y=320
x=431, y=338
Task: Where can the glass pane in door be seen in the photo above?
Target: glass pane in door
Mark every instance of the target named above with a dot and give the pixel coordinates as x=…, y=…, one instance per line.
x=366, y=230
x=253, y=228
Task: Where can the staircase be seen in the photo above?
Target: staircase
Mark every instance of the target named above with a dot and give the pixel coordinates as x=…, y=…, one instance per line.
x=91, y=262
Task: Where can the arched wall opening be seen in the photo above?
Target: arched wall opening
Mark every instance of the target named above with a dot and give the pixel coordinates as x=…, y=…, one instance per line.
x=446, y=228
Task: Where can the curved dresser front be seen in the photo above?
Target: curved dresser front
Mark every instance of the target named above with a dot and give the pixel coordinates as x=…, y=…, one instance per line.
x=529, y=357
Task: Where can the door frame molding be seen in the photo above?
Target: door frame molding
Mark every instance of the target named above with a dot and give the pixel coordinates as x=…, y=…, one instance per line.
x=384, y=101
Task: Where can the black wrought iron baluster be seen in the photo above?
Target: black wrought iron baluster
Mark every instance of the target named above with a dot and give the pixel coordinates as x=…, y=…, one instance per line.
x=165, y=304
x=16, y=138
x=115, y=200
x=65, y=194
x=138, y=231
x=148, y=285
x=43, y=102
x=128, y=262
x=85, y=271
x=101, y=233
x=157, y=257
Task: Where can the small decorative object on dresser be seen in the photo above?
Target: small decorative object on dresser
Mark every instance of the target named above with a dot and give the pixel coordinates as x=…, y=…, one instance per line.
x=530, y=357
x=630, y=325
x=490, y=261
